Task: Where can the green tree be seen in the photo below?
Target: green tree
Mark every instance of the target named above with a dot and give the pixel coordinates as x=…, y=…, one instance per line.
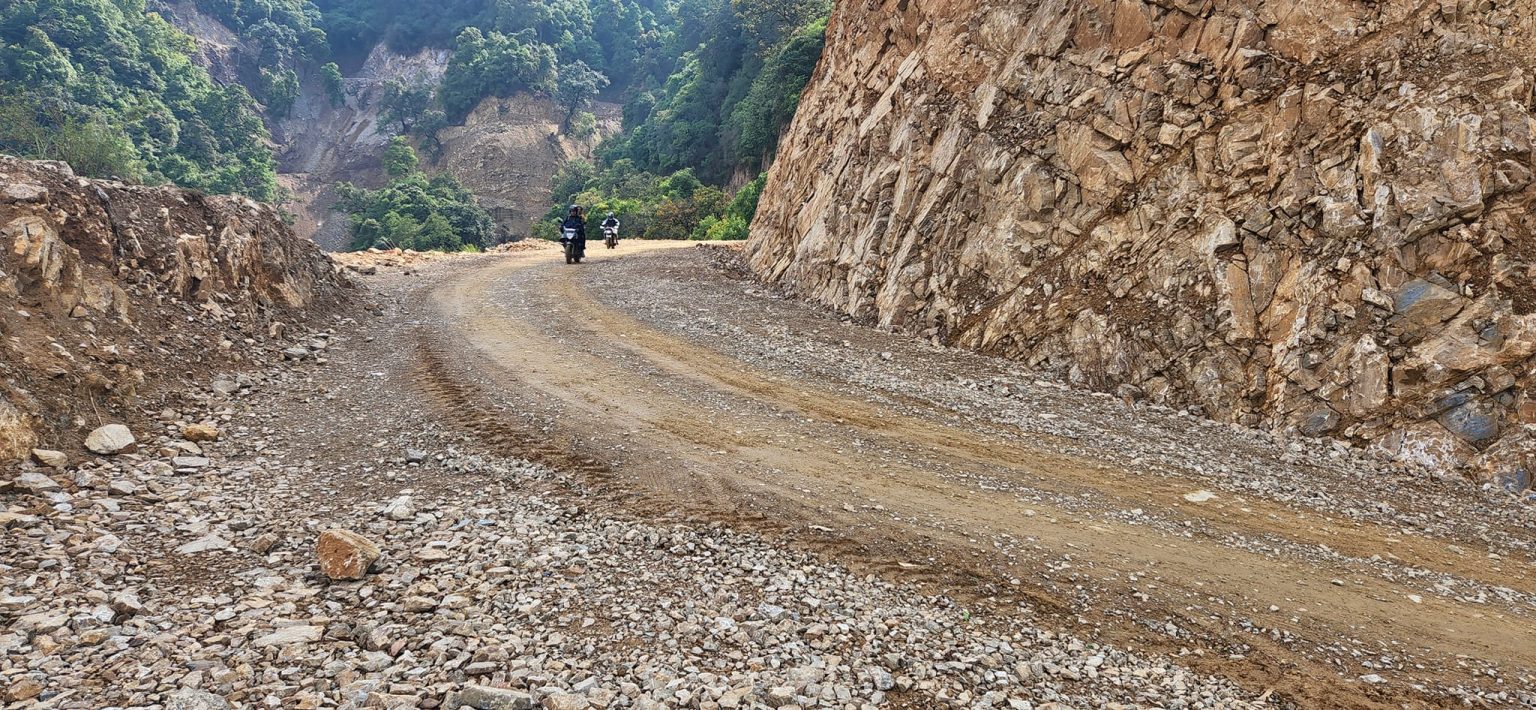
x=404, y=104
x=415, y=212
x=400, y=158
x=493, y=64
x=579, y=85
x=119, y=89
x=438, y=234
x=281, y=90
x=335, y=86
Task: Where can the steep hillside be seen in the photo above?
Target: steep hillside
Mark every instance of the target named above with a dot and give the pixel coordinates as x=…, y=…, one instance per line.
x=1301, y=214
x=508, y=150
x=114, y=292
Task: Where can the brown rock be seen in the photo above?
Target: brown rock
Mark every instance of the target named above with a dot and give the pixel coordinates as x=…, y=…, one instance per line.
x=24, y=689
x=200, y=432
x=345, y=555
x=264, y=543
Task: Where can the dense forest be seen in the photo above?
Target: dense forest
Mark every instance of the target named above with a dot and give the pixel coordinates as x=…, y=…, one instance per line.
x=113, y=89
x=706, y=86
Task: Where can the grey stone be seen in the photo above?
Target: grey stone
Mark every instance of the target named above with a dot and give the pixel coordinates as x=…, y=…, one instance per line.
x=210, y=543
x=1476, y=423
x=50, y=458
x=190, y=462
x=1318, y=422
x=486, y=698
x=196, y=700
x=111, y=439
x=36, y=482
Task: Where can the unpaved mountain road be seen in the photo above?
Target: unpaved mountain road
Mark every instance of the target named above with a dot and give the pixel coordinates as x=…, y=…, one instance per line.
x=1301, y=571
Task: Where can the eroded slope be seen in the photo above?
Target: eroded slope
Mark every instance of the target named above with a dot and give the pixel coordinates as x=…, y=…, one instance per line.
x=109, y=291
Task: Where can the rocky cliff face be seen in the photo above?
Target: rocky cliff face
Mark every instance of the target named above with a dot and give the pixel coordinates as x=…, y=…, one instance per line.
x=108, y=291
x=1291, y=214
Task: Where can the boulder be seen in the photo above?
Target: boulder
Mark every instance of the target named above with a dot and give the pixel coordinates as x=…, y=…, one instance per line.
x=111, y=439
x=50, y=458
x=345, y=555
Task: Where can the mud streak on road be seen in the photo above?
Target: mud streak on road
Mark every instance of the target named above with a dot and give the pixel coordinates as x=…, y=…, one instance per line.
x=658, y=425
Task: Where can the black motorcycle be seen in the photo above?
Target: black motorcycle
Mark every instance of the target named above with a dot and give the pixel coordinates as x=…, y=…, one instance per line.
x=573, y=248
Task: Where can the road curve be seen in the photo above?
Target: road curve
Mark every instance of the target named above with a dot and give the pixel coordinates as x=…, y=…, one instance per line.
x=1304, y=605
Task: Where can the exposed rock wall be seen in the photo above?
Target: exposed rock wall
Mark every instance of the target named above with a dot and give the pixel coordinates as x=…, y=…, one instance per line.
x=506, y=152
x=321, y=144
x=108, y=290
x=1289, y=214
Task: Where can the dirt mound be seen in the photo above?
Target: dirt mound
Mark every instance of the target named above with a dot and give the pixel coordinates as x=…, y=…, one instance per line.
x=369, y=262
x=109, y=292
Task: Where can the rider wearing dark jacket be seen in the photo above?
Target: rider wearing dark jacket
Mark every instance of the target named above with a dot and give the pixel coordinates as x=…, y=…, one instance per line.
x=575, y=226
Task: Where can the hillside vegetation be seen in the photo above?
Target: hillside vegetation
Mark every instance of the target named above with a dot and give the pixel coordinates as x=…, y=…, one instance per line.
x=112, y=89
x=706, y=85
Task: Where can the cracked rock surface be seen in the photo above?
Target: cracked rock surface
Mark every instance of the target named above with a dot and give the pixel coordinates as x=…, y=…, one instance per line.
x=1295, y=215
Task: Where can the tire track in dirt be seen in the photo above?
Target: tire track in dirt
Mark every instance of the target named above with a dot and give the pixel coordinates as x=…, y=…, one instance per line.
x=672, y=391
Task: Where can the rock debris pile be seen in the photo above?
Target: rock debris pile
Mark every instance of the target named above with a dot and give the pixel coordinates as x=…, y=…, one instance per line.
x=256, y=576
x=111, y=293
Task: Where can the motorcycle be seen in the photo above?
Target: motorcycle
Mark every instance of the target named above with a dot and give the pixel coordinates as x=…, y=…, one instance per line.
x=611, y=237
x=573, y=250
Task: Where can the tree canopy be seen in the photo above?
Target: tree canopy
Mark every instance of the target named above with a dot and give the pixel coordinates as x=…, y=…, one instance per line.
x=117, y=88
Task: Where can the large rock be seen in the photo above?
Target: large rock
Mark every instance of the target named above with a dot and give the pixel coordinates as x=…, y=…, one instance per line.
x=111, y=439
x=1168, y=197
x=483, y=697
x=50, y=458
x=345, y=555
x=196, y=700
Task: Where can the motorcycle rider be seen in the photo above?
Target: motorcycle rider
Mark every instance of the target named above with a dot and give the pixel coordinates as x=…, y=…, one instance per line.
x=612, y=223
x=574, y=228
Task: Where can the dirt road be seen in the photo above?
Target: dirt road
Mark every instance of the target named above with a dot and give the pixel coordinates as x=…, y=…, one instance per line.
x=1300, y=570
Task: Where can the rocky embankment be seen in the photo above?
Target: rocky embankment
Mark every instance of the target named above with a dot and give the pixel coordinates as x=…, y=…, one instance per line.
x=1292, y=216
x=335, y=544
x=111, y=294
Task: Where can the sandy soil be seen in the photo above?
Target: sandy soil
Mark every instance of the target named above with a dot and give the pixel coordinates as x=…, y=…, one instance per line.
x=1301, y=570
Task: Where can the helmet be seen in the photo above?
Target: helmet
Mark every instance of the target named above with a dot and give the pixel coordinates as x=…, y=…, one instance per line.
x=610, y=215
